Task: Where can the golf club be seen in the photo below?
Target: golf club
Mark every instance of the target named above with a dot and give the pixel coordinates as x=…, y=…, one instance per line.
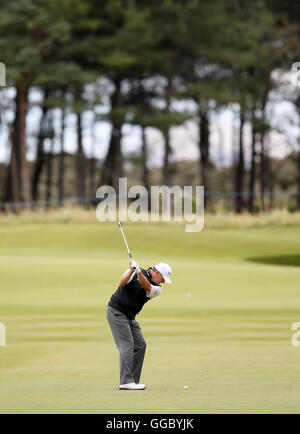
x=120, y=226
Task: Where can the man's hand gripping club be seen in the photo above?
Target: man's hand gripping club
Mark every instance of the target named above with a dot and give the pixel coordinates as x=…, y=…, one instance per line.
x=142, y=279
x=134, y=265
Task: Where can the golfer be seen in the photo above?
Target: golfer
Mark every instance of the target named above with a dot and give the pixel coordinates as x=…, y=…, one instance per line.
x=136, y=287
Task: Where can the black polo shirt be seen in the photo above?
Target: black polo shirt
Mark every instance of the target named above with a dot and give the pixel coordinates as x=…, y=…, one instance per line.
x=130, y=299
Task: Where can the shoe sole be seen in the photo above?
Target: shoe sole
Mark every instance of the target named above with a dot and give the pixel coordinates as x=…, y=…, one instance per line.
x=131, y=389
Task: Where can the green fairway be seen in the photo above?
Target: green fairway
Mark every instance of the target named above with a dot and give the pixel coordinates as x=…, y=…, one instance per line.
x=223, y=327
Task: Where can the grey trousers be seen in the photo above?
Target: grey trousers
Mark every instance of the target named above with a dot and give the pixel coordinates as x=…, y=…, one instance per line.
x=130, y=343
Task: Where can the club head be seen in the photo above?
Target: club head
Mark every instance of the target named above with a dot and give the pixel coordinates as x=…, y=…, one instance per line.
x=119, y=224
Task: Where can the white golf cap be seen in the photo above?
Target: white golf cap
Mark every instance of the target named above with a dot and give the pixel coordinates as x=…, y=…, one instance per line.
x=165, y=270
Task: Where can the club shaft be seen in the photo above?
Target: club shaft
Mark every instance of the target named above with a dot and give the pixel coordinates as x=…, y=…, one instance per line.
x=120, y=226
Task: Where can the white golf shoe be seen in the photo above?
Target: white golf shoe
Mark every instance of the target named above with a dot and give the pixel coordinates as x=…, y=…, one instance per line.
x=132, y=386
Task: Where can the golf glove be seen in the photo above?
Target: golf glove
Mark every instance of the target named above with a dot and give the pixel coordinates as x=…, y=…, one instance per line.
x=135, y=266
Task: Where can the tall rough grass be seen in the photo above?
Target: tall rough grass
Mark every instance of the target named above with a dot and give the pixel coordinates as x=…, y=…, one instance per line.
x=219, y=220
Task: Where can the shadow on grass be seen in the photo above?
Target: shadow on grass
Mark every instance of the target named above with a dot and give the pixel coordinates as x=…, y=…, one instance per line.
x=287, y=260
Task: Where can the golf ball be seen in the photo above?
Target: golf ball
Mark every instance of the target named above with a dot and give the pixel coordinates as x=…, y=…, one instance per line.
x=186, y=387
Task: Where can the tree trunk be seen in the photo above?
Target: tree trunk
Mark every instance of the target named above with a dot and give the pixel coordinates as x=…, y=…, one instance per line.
x=298, y=161
x=92, y=165
x=15, y=173
x=262, y=143
x=17, y=186
x=167, y=177
x=112, y=168
x=92, y=173
x=61, y=162
x=15, y=165
x=49, y=176
x=262, y=171
x=49, y=161
x=40, y=155
x=298, y=180
x=22, y=95
x=240, y=170
x=80, y=163
x=252, y=168
x=145, y=175
x=12, y=183
x=203, y=144
x=270, y=183
x=7, y=193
